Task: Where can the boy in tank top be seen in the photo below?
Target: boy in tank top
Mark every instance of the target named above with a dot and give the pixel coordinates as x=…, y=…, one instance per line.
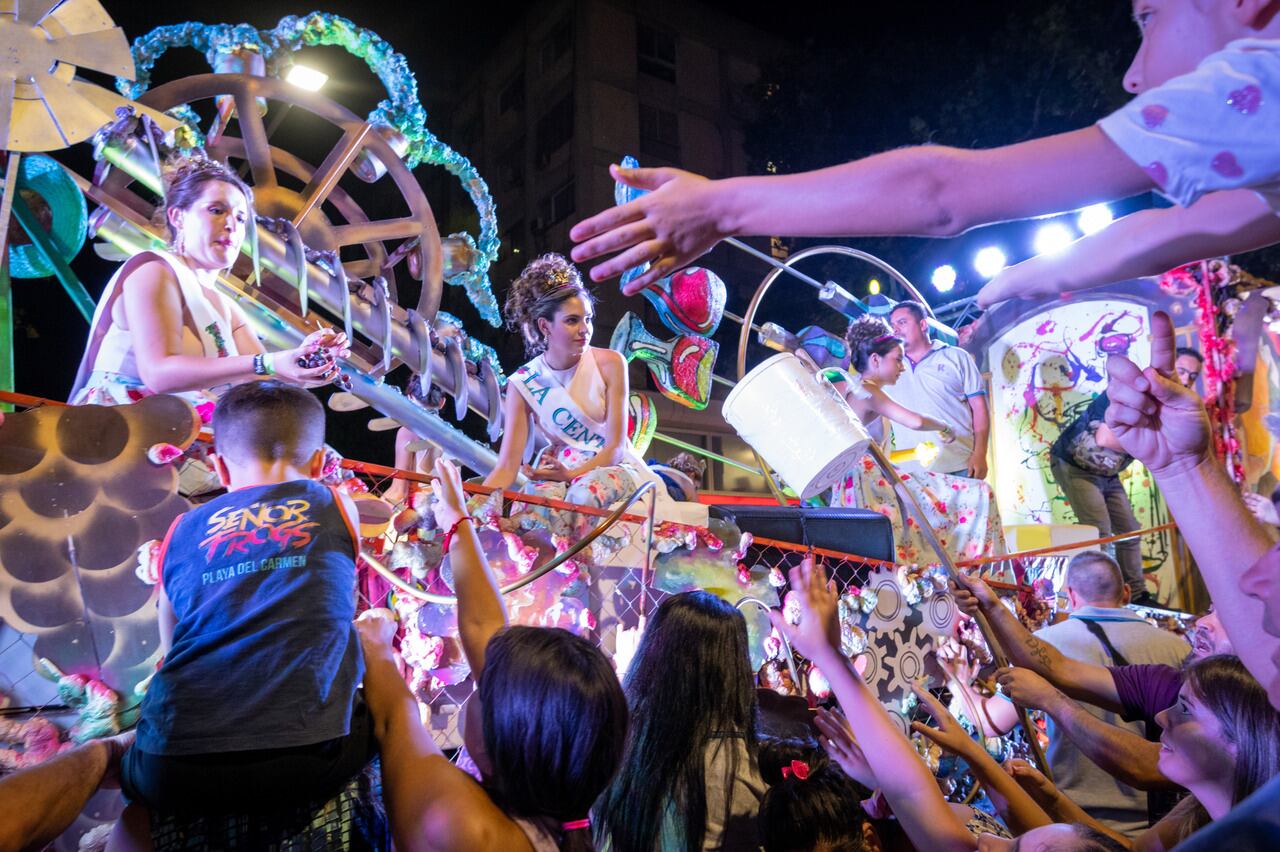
x=255, y=705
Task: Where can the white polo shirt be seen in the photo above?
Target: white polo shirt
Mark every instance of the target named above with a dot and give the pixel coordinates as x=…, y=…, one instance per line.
x=939, y=386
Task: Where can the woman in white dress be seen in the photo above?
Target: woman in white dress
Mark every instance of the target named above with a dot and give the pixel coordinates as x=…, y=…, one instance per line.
x=161, y=326
x=571, y=396
x=962, y=511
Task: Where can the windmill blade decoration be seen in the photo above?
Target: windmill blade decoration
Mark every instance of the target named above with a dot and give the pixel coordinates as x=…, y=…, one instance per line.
x=43, y=106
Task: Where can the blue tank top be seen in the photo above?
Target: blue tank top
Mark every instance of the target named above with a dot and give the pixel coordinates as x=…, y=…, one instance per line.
x=264, y=653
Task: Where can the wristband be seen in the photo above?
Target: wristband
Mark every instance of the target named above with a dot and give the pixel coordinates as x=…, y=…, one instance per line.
x=259, y=365
x=448, y=537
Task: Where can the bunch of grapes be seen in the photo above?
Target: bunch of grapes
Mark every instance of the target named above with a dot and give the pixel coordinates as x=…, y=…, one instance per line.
x=324, y=358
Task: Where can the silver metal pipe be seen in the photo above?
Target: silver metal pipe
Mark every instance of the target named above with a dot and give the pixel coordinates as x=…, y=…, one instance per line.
x=281, y=334
x=135, y=160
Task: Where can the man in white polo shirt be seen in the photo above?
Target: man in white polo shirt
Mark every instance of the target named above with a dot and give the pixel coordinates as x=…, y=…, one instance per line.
x=942, y=382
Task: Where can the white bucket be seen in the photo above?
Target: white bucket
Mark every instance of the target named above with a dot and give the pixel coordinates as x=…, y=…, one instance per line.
x=798, y=424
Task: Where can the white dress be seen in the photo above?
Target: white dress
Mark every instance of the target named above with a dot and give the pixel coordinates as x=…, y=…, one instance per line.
x=109, y=374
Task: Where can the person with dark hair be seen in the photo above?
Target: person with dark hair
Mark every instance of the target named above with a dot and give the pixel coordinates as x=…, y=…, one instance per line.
x=811, y=803
x=161, y=326
x=1045, y=678
x=546, y=727
x=1221, y=741
x=572, y=396
x=944, y=382
x=1099, y=631
x=1188, y=363
x=255, y=704
x=689, y=778
x=962, y=510
x=1086, y=461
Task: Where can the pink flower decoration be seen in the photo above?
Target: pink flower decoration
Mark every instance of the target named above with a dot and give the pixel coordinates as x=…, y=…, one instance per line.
x=1245, y=101
x=1225, y=164
x=205, y=410
x=1154, y=115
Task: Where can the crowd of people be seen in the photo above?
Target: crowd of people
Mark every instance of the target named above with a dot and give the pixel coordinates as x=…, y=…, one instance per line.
x=274, y=696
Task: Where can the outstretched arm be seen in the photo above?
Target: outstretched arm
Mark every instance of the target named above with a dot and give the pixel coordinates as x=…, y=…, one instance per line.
x=1164, y=426
x=39, y=803
x=883, y=404
x=1081, y=680
x=1120, y=753
x=1145, y=243
x=905, y=781
x=1054, y=802
x=1019, y=810
x=481, y=612
x=925, y=191
x=432, y=804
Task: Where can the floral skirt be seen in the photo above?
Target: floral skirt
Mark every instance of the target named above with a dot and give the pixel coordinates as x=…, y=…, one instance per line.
x=596, y=489
x=962, y=512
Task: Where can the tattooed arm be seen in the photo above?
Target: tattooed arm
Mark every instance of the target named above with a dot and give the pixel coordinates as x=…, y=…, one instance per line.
x=1080, y=680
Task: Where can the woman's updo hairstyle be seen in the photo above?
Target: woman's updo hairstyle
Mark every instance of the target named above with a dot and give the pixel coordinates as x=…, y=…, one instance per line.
x=539, y=291
x=184, y=179
x=867, y=336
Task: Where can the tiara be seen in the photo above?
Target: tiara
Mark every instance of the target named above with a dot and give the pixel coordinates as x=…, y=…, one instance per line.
x=558, y=290
x=882, y=338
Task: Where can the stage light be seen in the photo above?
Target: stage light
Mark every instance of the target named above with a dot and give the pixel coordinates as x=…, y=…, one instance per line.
x=1052, y=238
x=1094, y=218
x=989, y=261
x=306, y=78
x=944, y=278
x=873, y=287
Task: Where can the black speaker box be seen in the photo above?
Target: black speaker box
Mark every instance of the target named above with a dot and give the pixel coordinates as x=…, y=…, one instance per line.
x=861, y=532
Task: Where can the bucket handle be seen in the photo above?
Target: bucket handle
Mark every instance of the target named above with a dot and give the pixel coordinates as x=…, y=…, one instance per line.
x=822, y=375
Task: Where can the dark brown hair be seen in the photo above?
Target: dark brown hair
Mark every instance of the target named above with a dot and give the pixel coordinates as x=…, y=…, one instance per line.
x=867, y=336
x=270, y=421
x=184, y=180
x=542, y=287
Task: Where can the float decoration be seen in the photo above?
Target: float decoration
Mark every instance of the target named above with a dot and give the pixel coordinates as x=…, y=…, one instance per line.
x=689, y=302
x=400, y=119
x=642, y=421
x=681, y=367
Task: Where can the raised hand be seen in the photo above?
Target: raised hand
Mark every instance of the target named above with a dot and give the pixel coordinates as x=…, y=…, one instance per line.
x=955, y=660
x=838, y=741
x=450, y=503
x=1155, y=419
x=973, y=595
x=376, y=627
x=670, y=226
x=1026, y=687
x=818, y=632
x=1262, y=508
x=949, y=734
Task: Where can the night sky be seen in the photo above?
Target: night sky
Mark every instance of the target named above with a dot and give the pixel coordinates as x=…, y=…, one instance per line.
x=862, y=78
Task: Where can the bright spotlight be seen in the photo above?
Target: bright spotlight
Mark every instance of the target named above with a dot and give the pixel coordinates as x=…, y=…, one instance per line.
x=306, y=78
x=944, y=278
x=873, y=286
x=1052, y=239
x=1094, y=218
x=989, y=261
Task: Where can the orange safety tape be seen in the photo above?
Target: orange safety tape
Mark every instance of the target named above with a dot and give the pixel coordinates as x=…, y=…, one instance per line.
x=371, y=469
